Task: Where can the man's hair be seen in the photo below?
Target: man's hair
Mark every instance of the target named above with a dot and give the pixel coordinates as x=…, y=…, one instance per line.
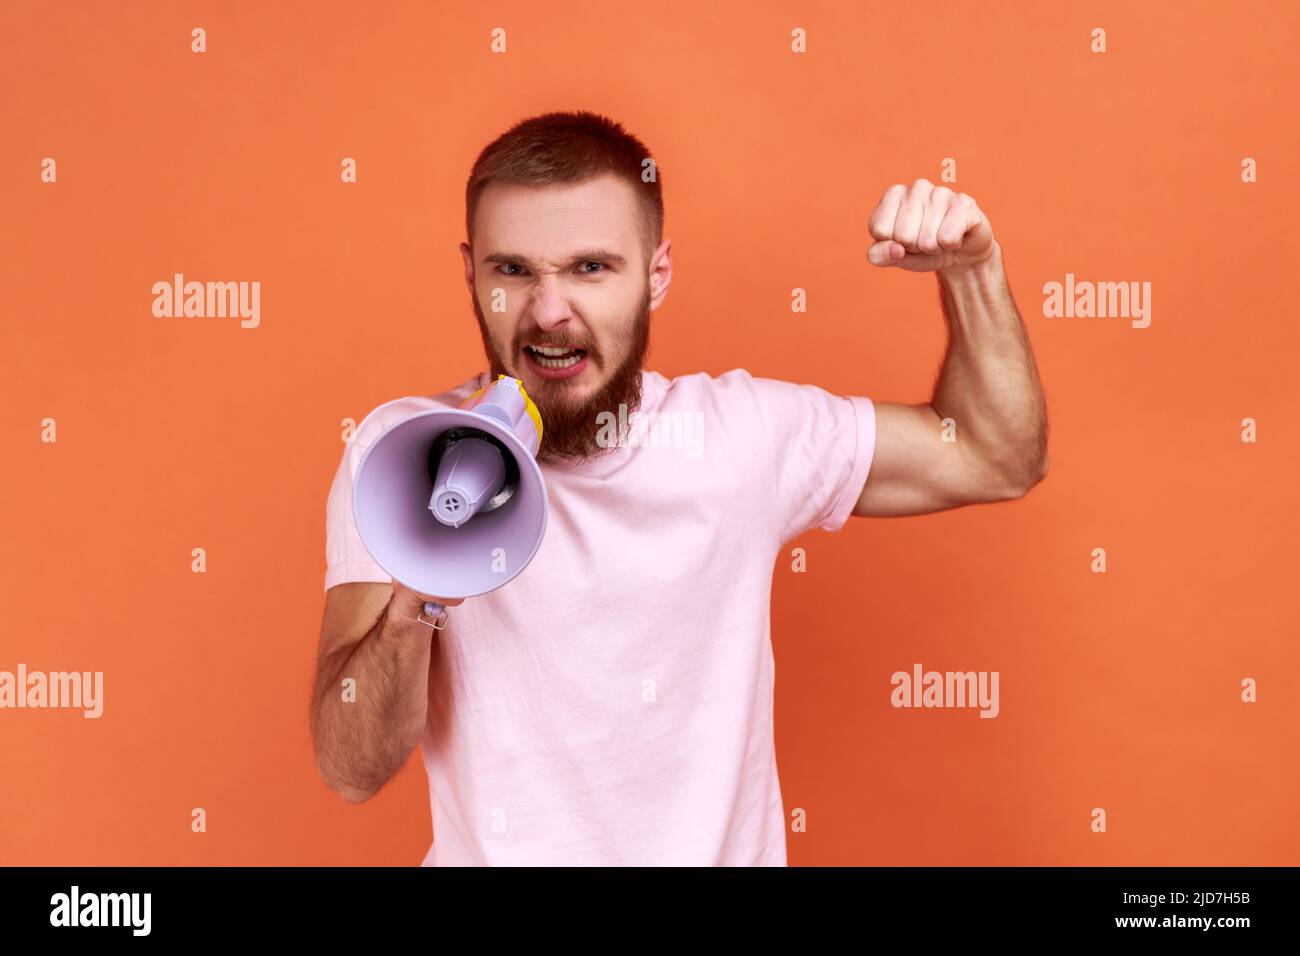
x=566, y=148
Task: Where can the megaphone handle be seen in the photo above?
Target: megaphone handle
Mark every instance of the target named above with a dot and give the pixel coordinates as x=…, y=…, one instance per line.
x=435, y=611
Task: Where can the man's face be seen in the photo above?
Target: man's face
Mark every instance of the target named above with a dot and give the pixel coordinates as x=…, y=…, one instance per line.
x=566, y=269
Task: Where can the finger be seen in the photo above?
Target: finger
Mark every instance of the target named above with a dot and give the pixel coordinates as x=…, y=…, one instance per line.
x=886, y=253
x=908, y=225
x=408, y=603
x=952, y=231
x=979, y=232
x=921, y=262
x=881, y=223
x=420, y=596
x=941, y=198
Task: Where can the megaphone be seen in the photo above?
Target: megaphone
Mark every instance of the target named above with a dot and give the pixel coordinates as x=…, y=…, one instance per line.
x=451, y=501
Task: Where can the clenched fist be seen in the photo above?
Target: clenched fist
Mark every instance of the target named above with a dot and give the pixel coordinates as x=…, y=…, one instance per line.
x=929, y=228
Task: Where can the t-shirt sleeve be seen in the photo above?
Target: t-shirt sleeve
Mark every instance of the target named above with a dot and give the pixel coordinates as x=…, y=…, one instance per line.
x=822, y=446
x=346, y=557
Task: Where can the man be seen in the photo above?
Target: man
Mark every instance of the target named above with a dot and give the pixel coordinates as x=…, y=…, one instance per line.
x=613, y=703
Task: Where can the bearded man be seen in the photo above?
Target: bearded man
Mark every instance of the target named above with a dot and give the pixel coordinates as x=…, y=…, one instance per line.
x=612, y=704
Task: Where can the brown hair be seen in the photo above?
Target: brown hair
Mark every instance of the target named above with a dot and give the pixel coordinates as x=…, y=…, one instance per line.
x=565, y=148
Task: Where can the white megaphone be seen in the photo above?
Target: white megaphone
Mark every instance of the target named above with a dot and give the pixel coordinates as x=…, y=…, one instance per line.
x=451, y=501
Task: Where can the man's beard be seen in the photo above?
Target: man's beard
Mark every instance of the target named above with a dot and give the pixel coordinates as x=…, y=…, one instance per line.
x=569, y=427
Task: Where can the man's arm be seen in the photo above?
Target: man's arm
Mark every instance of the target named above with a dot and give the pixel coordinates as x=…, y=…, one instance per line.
x=983, y=436
x=370, y=634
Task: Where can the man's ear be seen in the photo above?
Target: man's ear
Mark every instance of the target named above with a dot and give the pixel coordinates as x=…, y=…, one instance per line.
x=468, y=255
x=661, y=275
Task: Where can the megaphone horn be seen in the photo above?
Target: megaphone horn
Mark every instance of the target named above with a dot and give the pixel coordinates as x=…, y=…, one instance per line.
x=451, y=501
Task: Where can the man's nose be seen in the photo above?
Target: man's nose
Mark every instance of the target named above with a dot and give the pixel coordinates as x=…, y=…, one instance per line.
x=549, y=305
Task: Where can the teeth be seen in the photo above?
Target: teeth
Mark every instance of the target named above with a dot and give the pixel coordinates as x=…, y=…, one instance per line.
x=548, y=356
x=557, y=363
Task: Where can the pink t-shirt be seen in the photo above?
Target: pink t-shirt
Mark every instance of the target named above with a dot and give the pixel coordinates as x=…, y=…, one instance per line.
x=612, y=705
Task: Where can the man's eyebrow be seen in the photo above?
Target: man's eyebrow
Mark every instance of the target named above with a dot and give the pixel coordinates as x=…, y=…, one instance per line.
x=600, y=255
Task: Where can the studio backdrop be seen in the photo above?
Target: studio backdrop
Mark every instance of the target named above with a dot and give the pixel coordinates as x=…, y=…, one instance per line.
x=164, y=475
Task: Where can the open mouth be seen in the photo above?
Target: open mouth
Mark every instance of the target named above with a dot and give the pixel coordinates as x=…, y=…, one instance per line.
x=555, y=358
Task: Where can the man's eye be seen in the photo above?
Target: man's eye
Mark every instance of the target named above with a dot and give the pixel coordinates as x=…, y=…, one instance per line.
x=601, y=267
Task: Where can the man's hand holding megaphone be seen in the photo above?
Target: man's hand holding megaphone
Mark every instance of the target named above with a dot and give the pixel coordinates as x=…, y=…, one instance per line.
x=409, y=607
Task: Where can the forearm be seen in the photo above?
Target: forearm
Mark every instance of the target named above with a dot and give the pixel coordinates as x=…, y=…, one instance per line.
x=989, y=381
x=362, y=740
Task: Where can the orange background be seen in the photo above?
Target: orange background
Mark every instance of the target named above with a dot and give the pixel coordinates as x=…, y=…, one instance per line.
x=1119, y=690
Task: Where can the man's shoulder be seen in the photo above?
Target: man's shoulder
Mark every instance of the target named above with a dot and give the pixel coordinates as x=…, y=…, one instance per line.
x=735, y=391
x=735, y=383
x=458, y=393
